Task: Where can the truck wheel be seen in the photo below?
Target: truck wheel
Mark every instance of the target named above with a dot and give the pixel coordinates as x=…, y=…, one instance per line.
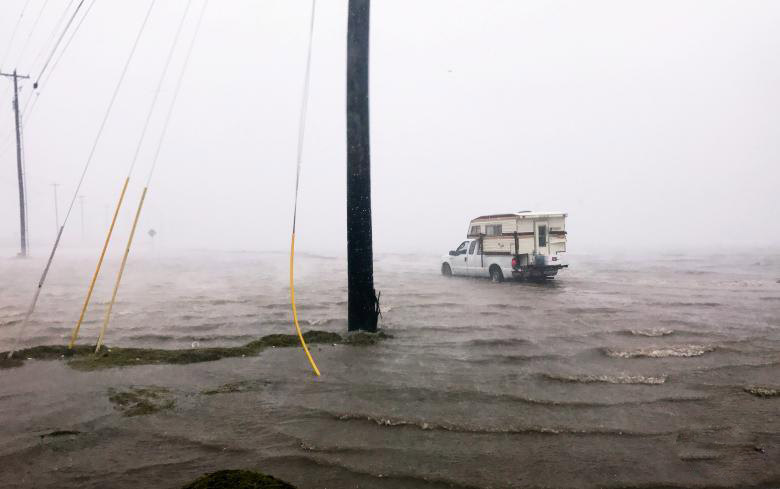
x=496, y=275
x=446, y=270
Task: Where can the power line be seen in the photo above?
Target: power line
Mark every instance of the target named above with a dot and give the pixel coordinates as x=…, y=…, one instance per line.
x=110, y=107
x=67, y=43
x=32, y=100
x=159, y=86
x=299, y=158
x=13, y=35
x=53, y=33
x=176, y=91
x=11, y=43
x=91, y=287
x=35, y=94
x=32, y=31
x=42, y=280
x=57, y=44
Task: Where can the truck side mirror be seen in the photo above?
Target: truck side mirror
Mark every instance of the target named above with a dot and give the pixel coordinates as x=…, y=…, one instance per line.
x=453, y=253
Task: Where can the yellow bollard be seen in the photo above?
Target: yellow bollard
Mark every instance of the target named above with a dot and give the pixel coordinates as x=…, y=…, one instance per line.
x=295, y=312
x=121, y=271
x=76, y=328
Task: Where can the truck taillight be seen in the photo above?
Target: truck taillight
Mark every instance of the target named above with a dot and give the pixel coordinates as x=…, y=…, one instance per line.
x=514, y=262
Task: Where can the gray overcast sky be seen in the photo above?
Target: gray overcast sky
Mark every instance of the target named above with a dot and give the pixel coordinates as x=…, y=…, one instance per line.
x=653, y=124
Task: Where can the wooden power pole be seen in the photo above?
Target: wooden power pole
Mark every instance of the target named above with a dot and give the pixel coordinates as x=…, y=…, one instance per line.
x=363, y=303
x=19, y=165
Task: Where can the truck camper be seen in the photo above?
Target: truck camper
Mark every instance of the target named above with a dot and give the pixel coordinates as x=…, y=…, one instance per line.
x=520, y=245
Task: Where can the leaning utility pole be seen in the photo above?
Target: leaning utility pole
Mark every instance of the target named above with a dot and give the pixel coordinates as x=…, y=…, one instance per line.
x=363, y=303
x=19, y=166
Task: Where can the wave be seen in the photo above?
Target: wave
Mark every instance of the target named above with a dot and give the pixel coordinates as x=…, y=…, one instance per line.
x=652, y=332
x=518, y=358
x=661, y=352
x=510, y=430
x=606, y=379
x=432, y=304
x=204, y=326
x=398, y=479
x=224, y=302
x=592, y=310
x=494, y=342
x=686, y=304
x=510, y=306
x=324, y=321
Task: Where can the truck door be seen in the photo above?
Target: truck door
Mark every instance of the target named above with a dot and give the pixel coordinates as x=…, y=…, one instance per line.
x=474, y=259
x=542, y=238
x=459, y=262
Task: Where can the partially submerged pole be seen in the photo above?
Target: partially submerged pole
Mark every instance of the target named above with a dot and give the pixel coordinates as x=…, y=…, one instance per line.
x=363, y=303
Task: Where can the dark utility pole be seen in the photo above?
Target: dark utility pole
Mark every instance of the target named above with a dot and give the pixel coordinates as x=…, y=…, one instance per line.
x=19, y=166
x=363, y=303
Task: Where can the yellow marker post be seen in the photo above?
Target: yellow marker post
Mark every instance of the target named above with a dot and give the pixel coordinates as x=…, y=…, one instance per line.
x=76, y=328
x=295, y=312
x=121, y=271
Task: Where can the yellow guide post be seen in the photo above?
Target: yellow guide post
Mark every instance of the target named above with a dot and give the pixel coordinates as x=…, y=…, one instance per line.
x=76, y=328
x=121, y=271
x=295, y=312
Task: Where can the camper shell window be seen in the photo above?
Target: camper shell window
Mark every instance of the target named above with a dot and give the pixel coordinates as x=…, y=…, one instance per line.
x=475, y=229
x=493, y=229
x=542, y=235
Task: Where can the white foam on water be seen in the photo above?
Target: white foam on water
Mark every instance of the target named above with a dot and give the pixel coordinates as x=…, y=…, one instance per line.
x=662, y=352
x=609, y=379
x=653, y=332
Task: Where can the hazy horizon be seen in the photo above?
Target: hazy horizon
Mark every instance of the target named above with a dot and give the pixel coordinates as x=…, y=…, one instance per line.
x=653, y=125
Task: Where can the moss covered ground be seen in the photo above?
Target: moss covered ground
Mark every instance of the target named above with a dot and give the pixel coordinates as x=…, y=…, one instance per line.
x=237, y=479
x=138, y=401
x=82, y=357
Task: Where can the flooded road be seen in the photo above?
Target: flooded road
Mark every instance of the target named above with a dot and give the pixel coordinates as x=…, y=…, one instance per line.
x=645, y=372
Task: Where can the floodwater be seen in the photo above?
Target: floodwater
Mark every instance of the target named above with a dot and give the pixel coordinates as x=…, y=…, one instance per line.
x=639, y=372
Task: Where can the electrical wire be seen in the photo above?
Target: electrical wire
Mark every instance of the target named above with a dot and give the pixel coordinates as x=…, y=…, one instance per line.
x=139, y=145
x=42, y=280
x=299, y=160
x=13, y=35
x=32, y=100
x=46, y=76
x=4, y=91
x=57, y=44
x=32, y=31
x=163, y=133
x=53, y=33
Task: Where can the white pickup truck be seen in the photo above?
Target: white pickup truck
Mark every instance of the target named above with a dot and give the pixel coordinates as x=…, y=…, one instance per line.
x=521, y=245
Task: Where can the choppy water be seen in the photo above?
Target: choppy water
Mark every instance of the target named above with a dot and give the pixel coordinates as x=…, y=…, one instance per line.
x=627, y=373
